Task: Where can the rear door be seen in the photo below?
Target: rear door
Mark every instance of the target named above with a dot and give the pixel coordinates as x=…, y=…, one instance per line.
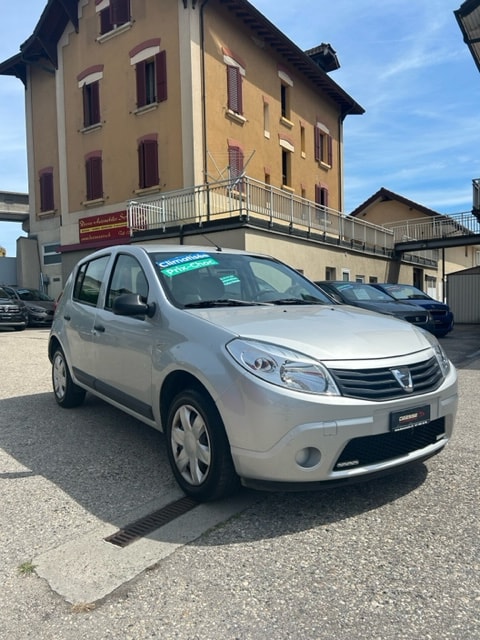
x=79, y=318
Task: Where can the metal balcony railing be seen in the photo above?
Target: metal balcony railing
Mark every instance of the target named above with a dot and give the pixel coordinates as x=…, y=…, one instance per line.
x=250, y=200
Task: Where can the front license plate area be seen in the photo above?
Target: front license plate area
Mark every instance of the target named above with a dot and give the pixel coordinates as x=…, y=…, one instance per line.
x=409, y=418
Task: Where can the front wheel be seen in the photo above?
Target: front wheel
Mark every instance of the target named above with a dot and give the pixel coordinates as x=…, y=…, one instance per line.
x=198, y=448
x=67, y=393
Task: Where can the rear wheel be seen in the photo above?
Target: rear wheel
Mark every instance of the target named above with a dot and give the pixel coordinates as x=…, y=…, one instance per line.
x=67, y=393
x=198, y=448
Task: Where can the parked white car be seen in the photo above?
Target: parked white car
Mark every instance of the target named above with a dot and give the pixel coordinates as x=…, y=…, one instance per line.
x=254, y=375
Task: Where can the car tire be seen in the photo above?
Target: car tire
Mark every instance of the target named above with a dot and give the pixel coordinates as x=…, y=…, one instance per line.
x=198, y=448
x=67, y=393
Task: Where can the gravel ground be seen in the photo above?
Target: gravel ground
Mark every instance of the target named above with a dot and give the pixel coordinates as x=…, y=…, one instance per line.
x=393, y=559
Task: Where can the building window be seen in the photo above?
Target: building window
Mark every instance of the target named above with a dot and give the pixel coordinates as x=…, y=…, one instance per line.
x=51, y=254
x=113, y=14
x=151, y=75
x=286, y=168
x=234, y=90
x=93, y=176
x=148, y=162
x=302, y=141
x=330, y=273
x=47, y=202
x=321, y=197
x=91, y=103
x=372, y=279
x=266, y=119
x=323, y=146
x=346, y=275
x=359, y=278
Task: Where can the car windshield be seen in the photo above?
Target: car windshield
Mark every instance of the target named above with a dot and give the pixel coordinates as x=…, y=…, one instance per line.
x=405, y=292
x=4, y=294
x=357, y=292
x=32, y=294
x=217, y=278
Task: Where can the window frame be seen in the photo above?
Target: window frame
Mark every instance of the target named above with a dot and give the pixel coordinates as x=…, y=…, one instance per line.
x=91, y=103
x=151, y=79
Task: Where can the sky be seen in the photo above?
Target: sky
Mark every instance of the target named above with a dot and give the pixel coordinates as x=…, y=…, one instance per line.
x=403, y=61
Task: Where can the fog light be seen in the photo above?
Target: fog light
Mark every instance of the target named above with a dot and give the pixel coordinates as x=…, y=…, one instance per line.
x=308, y=457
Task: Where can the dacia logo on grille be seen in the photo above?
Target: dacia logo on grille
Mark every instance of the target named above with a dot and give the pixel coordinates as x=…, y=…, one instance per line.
x=404, y=378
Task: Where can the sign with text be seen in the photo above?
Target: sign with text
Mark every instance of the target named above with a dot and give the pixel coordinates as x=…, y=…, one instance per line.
x=110, y=226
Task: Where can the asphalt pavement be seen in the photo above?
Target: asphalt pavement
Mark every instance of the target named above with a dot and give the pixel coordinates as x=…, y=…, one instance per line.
x=392, y=559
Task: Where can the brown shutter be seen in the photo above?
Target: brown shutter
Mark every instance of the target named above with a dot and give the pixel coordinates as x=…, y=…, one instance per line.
x=141, y=77
x=161, y=75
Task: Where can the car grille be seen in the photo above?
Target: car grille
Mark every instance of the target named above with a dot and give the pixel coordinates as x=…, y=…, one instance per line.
x=369, y=450
x=9, y=308
x=381, y=384
x=438, y=313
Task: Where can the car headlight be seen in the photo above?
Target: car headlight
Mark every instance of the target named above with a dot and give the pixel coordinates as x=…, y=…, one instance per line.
x=283, y=367
x=440, y=354
x=37, y=309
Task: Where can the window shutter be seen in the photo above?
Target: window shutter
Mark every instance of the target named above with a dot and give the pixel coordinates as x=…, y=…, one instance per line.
x=86, y=106
x=234, y=89
x=106, y=24
x=235, y=160
x=120, y=11
x=95, y=102
x=318, y=144
x=140, y=71
x=161, y=73
x=148, y=164
x=93, y=167
x=330, y=150
x=46, y=191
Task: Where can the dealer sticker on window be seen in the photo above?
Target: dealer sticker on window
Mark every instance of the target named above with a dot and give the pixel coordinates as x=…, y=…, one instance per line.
x=409, y=418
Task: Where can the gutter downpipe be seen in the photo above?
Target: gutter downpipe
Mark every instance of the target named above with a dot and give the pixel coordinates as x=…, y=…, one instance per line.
x=204, y=100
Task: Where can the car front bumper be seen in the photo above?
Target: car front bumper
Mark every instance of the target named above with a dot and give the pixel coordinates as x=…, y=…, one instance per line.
x=344, y=440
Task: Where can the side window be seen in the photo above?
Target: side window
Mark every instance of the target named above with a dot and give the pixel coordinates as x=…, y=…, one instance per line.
x=89, y=280
x=127, y=277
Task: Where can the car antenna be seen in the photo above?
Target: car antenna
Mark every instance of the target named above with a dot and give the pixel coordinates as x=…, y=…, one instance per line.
x=211, y=242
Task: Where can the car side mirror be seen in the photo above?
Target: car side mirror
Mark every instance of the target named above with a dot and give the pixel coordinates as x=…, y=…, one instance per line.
x=131, y=304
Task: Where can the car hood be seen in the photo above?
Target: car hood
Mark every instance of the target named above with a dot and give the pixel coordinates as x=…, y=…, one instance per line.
x=428, y=304
x=336, y=332
x=388, y=306
x=45, y=304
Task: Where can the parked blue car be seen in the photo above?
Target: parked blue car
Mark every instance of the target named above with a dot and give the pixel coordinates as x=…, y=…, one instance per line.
x=441, y=314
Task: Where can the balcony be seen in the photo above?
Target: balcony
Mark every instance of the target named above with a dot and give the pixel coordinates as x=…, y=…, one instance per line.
x=248, y=201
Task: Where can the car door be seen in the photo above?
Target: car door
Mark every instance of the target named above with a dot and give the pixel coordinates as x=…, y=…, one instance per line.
x=79, y=316
x=123, y=344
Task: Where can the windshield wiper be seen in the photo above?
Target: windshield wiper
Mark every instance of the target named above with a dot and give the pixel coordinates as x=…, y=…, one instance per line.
x=225, y=302
x=297, y=301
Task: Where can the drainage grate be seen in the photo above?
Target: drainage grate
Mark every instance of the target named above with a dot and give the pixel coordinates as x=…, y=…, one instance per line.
x=149, y=523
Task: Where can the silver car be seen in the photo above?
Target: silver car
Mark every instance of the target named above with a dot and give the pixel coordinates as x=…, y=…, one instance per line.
x=254, y=375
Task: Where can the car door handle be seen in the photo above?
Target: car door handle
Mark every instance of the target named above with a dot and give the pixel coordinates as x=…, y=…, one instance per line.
x=99, y=327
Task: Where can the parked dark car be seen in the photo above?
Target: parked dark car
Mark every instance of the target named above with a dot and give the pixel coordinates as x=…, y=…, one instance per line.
x=441, y=314
x=40, y=306
x=13, y=312
x=368, y=297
